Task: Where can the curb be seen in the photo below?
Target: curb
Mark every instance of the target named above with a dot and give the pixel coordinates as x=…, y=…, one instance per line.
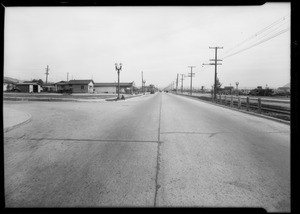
x=51, y=99
x=7, y=129
x=240, y=110
x=62, y=100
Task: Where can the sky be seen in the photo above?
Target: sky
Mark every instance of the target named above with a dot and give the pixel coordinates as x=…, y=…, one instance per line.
x=161, y=42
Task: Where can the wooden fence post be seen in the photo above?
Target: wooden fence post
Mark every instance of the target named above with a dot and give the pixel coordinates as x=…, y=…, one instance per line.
x=248, y=104
x=225, y=100
x=239, y=102
x=259, y=105
x=220, y=99
x=231, y=101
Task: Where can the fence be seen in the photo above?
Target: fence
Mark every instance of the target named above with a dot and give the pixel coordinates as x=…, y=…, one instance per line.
x=278, y=108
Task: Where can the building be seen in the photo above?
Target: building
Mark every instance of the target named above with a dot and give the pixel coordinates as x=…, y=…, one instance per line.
x=8, y=85
x=29, y=87
x=112, y=88
x=285, y=88
x=61, y=86
x=49, y=87
x=81, y=86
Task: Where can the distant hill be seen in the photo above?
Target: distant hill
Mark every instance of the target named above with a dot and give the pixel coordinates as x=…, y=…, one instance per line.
x=288, y=85
x=13, y=80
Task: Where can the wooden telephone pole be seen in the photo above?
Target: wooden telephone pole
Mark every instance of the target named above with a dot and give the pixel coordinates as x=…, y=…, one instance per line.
x=47, y=73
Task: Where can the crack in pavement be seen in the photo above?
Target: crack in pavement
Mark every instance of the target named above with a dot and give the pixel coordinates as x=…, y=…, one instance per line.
x=90, y=140
x=214, y=133
x=211, y=133
x=157, y=186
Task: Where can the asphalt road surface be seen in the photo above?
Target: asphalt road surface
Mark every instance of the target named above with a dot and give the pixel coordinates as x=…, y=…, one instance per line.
x=156, y=150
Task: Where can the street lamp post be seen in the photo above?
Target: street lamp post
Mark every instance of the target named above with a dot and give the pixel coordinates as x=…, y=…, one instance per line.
x=118, y=68
x=237, y=87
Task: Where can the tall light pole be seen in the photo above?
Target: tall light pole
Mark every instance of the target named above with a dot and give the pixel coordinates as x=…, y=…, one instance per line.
x=118, y=68
x=237, y=87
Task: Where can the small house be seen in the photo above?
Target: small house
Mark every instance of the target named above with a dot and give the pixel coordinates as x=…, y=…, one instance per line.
x=112, y=88
x=8, y=85
x=29, y=87
x=49, y=87
x=61, y=86
x=81, y=86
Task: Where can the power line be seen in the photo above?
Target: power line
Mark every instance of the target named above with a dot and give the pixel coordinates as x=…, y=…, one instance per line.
x=255, y=44
x=259, y=32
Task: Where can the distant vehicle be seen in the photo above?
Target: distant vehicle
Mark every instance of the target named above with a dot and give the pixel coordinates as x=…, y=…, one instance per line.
x=152, y=92
x=16, y=90
x=261, y=92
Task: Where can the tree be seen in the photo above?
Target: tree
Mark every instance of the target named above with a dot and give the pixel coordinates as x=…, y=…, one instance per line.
x=38, y=81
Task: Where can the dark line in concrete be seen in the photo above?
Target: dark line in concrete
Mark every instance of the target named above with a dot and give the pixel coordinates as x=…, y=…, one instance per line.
x=91, y=140
x=16, y=126
x=157, y=186
x=214, y=133
x=205, y=133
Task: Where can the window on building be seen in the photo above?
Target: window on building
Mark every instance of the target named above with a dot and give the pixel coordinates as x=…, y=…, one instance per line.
x=82, y=87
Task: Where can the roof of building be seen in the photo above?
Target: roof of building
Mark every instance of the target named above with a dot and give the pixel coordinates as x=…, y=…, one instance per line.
x=48, y=84
x=28, y=83
x=113, y=84
x=80, y=82
x=61, y=83
x=228, y=87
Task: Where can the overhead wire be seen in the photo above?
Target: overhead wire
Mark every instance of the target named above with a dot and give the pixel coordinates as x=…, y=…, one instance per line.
x=259, y=42
x=258, y=33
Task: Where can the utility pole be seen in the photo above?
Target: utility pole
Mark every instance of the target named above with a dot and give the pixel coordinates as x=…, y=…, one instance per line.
x=215, y=64
x=67, y=76
x=142, y=83
x=191, y=75
x=182, y=75
x=47, y=73
x=177, y=84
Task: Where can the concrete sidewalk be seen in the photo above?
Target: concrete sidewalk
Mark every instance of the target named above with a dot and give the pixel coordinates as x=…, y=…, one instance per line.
x=13, y=118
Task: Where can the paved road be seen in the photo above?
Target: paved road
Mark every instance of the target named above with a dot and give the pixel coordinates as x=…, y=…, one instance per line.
x=155, y=150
